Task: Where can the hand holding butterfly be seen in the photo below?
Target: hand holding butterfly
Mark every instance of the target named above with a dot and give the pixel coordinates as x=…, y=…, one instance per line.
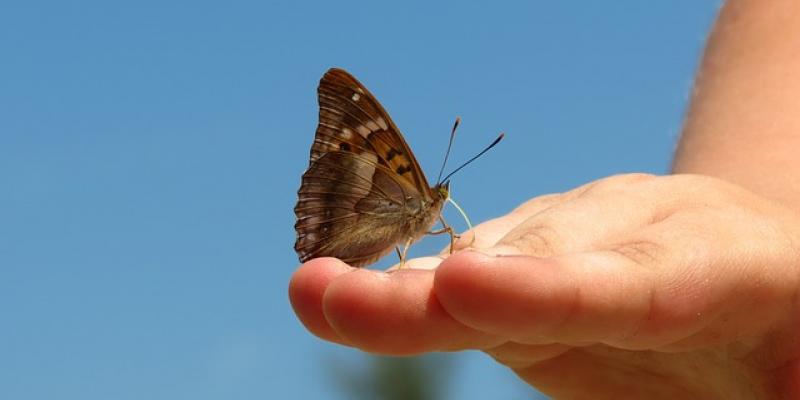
x=675, y=287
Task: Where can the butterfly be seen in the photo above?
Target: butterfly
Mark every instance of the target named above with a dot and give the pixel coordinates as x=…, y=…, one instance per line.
x=364, y=193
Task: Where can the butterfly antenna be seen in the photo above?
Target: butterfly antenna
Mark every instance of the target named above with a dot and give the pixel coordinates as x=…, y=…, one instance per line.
x=496, y=141
x=449, y=145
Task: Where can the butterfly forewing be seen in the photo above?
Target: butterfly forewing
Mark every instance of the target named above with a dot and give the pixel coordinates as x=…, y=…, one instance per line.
x=364, y=191
x=349, y=114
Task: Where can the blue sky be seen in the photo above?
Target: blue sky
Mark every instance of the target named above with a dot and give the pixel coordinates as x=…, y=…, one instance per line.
x=150, y=153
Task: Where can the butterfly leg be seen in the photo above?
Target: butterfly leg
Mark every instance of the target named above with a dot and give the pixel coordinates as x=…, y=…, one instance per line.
x=403, y=254
x=449, y=230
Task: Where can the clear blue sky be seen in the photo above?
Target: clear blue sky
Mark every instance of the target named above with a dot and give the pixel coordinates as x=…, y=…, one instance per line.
x=150, y=153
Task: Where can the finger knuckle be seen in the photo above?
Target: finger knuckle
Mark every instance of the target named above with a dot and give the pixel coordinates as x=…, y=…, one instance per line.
x=539, y=203
x=642, y=252
x=626, y=179
x=538, y=240
x=617, y=183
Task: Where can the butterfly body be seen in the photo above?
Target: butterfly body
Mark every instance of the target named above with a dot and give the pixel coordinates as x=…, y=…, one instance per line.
x=363, y=194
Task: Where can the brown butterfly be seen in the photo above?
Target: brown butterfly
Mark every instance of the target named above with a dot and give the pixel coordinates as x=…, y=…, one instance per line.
x=364, y=192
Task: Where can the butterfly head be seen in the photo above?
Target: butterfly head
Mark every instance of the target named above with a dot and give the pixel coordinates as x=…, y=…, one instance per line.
x=443, y=190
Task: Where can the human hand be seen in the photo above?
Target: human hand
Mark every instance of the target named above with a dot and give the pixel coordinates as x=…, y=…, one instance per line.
x=629, y=287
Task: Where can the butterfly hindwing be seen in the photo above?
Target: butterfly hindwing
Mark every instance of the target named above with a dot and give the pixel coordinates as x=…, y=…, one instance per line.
x=349, y=207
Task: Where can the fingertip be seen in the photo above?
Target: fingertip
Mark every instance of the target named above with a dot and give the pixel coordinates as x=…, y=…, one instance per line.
x=577, y=298
x=366, y=307
x=306, y=290
x=460, y=284
x=499, y=293
x=468, y=267
x=460, y=263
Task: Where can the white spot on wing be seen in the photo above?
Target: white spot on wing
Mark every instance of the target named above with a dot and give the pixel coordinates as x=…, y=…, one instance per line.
x=356, y=96
x=363, y=130
x=382, y=123
x=346, y=133
x=329, y=126
x=372, y=126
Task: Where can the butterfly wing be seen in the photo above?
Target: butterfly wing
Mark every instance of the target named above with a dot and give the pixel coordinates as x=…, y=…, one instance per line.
x=363, y=191
x=350, y=114
x=351, y=208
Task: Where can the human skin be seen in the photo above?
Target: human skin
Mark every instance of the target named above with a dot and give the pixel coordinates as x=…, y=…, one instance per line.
x=634, y=286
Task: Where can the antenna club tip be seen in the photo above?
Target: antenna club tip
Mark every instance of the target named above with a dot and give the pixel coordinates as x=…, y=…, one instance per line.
x=497, y=140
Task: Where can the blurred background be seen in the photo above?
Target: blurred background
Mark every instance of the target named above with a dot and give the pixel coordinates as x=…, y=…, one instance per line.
x=150, y=154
